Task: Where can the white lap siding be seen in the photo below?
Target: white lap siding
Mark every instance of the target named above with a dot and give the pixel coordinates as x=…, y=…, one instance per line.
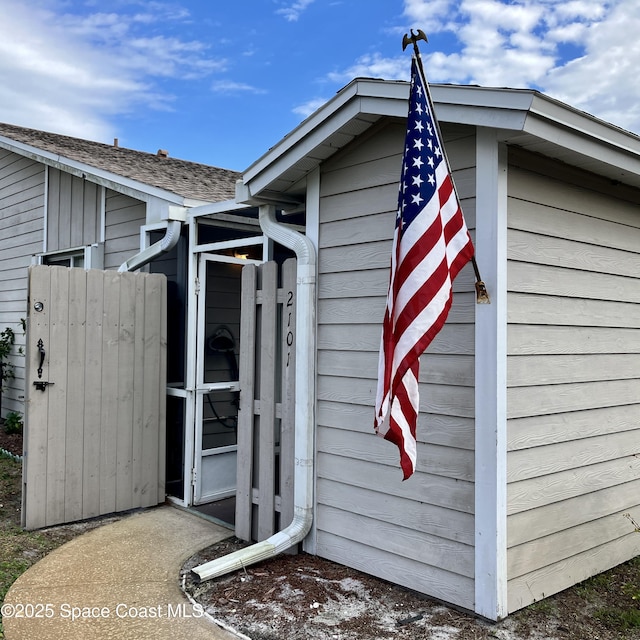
x=22, y=188
x=418, y=533
x=573, y=376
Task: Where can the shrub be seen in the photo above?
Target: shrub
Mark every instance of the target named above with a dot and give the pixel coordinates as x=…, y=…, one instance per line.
x=13, y=422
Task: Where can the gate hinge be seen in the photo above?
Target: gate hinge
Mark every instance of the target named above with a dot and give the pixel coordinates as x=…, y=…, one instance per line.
x=194, y=476
x=197, y=286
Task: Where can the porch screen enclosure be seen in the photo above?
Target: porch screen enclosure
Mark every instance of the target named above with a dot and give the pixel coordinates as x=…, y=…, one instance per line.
x=264, y=497
x=95, y=394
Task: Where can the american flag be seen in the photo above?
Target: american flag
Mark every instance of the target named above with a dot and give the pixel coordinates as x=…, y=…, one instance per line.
x=431, y=244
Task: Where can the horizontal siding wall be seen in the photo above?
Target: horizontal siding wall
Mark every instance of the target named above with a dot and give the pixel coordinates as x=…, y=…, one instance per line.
x=22, y=188
x=418, y=533
x=573, y=377
x=123, y=218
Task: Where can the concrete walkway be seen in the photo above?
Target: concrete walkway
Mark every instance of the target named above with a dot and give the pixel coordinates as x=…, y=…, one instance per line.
x=119, y=581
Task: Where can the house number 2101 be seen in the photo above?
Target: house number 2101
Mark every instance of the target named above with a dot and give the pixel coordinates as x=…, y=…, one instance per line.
x=289, y=328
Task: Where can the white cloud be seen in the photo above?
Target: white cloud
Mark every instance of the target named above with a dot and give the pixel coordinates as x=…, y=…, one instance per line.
x=373, y=66
x=230, y=87
x=524, y=43
x=292, y=12
x=603, y=81
x=90, y=67
x=306, y=109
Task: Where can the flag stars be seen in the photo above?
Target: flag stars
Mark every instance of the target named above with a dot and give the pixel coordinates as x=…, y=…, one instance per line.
x=418, y=144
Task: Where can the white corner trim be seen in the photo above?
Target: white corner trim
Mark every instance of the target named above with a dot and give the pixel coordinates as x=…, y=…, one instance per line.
x=491, y=379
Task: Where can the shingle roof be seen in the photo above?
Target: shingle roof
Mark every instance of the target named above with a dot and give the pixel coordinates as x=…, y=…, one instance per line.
x=187, y=179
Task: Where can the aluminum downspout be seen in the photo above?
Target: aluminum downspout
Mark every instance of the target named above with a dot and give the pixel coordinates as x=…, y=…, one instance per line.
x=166, y=243
x=304, y=408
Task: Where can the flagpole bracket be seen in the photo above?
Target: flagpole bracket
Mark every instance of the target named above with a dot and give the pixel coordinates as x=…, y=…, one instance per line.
x=482, y=295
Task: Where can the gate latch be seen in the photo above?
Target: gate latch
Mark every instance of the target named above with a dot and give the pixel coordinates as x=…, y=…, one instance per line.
x=41, y=385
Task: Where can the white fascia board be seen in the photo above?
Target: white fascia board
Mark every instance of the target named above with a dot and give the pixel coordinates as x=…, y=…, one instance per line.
x=227, y=206
x=585, y=136
x=481, y=116
x=545, y=107
x=117, y=183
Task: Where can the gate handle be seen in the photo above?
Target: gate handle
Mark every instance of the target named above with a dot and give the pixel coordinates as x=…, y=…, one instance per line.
x=43, y=353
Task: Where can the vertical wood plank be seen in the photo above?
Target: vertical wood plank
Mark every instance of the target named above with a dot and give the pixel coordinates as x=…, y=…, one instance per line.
x=55, y=370
x=125, y=384
x=138, y=400
x=287, y=424
x=161, y=390
x=93, y=394
x=244, y=481
x=74, y=441
x=150, y=385
x=109, y=408
x=266, y=444
x=34, y=466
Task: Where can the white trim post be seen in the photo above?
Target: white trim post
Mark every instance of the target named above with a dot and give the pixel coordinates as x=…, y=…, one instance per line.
x=491, y=379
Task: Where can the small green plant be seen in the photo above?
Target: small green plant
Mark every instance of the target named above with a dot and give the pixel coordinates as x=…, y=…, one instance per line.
x=13, y=422
x=7, y=340
x=633, y=589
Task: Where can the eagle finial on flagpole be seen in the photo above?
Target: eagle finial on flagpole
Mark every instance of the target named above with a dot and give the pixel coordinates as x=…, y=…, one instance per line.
x=413, y=38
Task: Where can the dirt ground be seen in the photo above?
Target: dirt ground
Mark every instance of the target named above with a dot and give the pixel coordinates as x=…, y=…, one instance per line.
x=10, y=442
x=304, y=597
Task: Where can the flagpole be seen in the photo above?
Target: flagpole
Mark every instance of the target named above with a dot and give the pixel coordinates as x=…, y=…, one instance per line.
x=482, y=295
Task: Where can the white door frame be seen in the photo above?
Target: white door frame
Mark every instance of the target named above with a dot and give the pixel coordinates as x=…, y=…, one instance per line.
x=194, y=387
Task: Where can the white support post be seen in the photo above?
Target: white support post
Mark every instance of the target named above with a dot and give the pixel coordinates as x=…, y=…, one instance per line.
x=491, y=379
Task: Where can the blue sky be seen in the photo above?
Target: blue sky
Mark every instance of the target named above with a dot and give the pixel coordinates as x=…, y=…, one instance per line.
x=219, y=81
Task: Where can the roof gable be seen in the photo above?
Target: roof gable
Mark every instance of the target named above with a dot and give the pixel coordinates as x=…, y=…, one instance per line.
x=523, y=117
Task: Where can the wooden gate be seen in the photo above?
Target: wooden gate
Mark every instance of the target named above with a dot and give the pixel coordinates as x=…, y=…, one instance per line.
x=264, y=498
x=95, y=394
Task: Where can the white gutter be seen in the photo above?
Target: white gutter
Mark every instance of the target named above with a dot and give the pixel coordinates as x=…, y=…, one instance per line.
x=166, y=243
x=304, y=408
